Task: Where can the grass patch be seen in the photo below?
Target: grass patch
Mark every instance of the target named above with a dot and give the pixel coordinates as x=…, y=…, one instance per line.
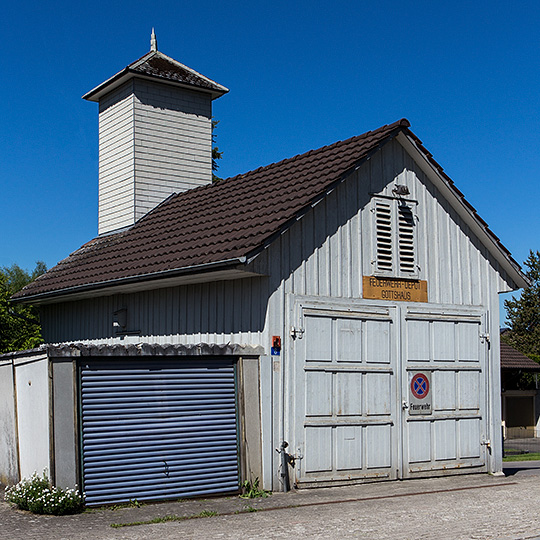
x=165, y=519
x=523, y=457
x=132, y=503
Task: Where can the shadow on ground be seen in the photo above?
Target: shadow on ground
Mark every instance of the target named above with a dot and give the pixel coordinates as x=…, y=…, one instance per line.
x=511, y=468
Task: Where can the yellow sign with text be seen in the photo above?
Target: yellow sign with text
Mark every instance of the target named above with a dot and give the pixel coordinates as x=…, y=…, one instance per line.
x=395, y=289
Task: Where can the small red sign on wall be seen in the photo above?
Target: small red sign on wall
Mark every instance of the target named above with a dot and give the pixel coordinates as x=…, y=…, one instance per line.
x=276, y=345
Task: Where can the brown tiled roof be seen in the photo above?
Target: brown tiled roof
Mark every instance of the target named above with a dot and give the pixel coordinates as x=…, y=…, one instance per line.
x=513, y=359
x=218, y=222
x=157, y=65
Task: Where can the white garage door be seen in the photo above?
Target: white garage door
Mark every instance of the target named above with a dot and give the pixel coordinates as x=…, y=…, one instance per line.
x=448, y=346
x=351, y=391
x=344, y=393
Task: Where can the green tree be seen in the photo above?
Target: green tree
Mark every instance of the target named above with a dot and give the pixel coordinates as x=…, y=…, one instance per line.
x=216, y=154
x=20, y=328
x=523, y=313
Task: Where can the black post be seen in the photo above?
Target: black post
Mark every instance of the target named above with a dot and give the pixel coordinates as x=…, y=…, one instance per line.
x=285, y=467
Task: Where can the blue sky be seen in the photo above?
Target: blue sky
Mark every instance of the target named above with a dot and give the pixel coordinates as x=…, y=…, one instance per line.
x=301, y=75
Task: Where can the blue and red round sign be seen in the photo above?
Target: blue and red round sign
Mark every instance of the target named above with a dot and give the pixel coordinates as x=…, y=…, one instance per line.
x=420, y=386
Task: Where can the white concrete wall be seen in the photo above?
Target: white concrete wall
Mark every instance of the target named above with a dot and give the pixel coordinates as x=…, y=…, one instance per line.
x=9, y=469
x=32, y=384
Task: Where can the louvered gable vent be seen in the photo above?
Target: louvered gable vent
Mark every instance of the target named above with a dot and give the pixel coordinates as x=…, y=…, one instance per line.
x=407, y=257
x=383, y=212
x=395, y=238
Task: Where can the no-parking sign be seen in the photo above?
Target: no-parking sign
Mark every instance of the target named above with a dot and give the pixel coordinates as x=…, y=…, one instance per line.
x=420, y=392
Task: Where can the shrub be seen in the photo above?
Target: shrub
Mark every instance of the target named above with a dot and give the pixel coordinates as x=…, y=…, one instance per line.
x=37, y=495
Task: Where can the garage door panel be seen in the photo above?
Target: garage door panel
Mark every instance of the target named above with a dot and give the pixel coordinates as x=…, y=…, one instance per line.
x=349, y=393
x=378, y=447
x=318, y=456
x=469, y=382
x=318, y=393
x=164, y=421
x=378, y=341
x=349, y=340
x=444, y=435
x=349, y=448
x=419, y=441
x=469, y=431
x=444, y=348
x=378, y=394
x=467, y=333
x=319, y=346
x=418, y=341
x=444, y=390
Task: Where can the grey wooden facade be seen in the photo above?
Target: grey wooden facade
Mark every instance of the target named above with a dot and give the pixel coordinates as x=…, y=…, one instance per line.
x=153, y=141
x=310, y=278
x=275, y=330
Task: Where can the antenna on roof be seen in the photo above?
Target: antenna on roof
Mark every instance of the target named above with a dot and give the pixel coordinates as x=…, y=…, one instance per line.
x=153, y=41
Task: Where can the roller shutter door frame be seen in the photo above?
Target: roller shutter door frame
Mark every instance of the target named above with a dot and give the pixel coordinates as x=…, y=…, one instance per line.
x=155, y=428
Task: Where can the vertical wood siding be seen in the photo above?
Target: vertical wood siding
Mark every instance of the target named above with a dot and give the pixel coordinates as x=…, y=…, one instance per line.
x=324, y=254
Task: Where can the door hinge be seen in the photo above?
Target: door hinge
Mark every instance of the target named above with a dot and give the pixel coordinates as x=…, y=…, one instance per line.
x=297, y=332
x=485, y=338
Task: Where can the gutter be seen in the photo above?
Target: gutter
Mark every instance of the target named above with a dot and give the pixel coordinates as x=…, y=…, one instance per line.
x=152, y=276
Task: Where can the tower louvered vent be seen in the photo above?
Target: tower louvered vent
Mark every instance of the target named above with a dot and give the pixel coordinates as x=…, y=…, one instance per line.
x=383, y=212
x=406, y=240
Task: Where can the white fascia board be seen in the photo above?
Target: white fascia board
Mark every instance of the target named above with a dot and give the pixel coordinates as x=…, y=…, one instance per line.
x=107, y=87
x=465, y=213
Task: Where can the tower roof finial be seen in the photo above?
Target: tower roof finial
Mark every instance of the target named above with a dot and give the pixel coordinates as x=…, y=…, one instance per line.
x=153, y=41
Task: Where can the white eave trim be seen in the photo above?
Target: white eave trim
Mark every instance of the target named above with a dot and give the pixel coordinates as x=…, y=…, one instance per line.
x=465, y=213
x=99, y=91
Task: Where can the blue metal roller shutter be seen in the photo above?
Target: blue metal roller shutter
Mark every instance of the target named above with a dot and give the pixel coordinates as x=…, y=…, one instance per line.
x=158, y=429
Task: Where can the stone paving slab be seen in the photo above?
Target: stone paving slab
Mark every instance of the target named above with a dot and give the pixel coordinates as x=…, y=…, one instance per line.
x=451, y=508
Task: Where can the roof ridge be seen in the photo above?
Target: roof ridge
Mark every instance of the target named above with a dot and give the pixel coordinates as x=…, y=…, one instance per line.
x=403, y=122
x=208, y=79
x=145, y=57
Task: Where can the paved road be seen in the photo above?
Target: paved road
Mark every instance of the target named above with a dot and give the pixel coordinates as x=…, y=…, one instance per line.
x=526, y=445
x=465, y=507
